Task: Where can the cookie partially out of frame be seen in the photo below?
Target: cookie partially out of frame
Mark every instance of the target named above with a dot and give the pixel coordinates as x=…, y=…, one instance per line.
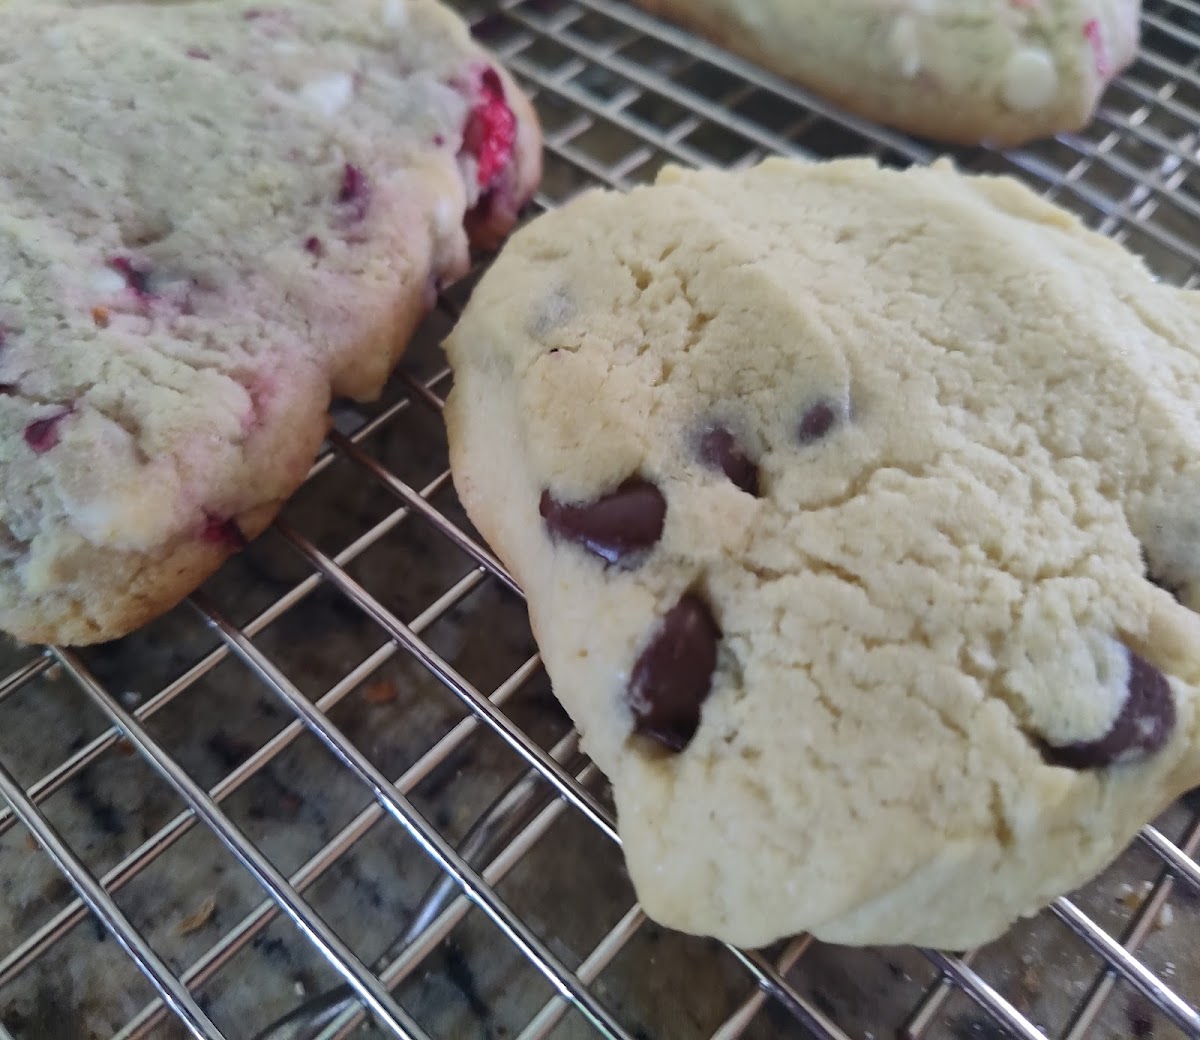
x=968, y=71
x=856, y=511
x=213, y=215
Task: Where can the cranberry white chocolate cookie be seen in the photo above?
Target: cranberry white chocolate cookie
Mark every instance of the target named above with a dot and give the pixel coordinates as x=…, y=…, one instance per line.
x=213, y=216
x=968, y=71
x=856, y=513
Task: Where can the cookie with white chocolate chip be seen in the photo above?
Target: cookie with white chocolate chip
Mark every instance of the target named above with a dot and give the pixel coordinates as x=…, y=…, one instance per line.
x=213, y=216
x=967, y=71
x=855, y=512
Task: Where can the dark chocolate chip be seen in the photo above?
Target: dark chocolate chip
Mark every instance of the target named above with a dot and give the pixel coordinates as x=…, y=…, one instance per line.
x=673, y=676
x=817, y=422
x=720, y=450
x=622, y=523
x=7, y=389
x=1143, y=726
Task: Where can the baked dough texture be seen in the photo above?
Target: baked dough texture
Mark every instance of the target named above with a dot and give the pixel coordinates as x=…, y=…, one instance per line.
x=1003, y=72
x=213, y=216
x=856, y=512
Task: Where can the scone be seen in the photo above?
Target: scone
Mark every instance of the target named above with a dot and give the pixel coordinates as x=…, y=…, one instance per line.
x=856, y=511
x=213, y=216
x=1002, y=72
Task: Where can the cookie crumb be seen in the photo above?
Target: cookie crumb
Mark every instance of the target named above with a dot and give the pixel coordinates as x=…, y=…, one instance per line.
x=100, y=317
x=1131, y=898
x=1166, y=917
x=198, y=918
x=382, y=691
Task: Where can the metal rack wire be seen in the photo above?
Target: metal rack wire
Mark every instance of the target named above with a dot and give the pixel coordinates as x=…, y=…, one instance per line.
x=340, y=702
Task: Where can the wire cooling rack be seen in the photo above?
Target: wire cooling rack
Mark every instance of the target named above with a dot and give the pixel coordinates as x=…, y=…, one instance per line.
x=240, y=806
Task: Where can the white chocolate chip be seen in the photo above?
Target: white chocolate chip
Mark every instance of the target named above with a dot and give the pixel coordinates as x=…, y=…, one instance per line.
x=330, y=94
x=107, y=282
x=904, y=45
x=1030, y=79
x=395, y=13
x=443, y=218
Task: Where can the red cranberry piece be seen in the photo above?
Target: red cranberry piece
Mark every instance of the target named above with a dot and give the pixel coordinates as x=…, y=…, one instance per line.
x=313, y=245
x=1094, y=34
x=7, y=389
x=491, y=130
x=137, y=278
x=223, y=531
x=42, y=434
x=354, y=194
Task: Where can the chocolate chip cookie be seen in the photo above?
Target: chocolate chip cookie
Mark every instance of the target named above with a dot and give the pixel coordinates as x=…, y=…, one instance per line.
x=213, y=216
x=856, y=513
x=998, y=71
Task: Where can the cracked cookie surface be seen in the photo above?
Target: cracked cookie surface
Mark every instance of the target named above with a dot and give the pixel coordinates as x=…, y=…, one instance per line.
x=998, y=71
x=853, y=511
x=213, y=216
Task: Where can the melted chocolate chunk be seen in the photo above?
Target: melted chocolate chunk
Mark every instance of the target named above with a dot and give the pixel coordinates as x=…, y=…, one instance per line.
x=673, y=676
x=817, y=422
x=721, y=450
x=622, y=523
x=1144, y=725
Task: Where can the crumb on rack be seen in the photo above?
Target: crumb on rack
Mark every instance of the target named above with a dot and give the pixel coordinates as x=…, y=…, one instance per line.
x=198, y=918
x=1130, y=897
x=382, y=691
x=1166, y=917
